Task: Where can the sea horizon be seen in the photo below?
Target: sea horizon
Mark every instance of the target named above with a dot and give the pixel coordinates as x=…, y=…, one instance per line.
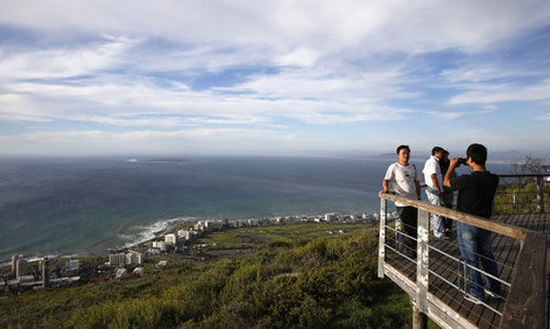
x=87, y=205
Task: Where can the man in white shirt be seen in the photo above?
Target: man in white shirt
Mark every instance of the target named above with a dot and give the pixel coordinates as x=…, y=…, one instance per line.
x=434, y=188
x=404, y=179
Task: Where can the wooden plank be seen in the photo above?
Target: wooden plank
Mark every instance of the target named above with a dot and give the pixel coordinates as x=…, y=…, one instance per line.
x=422, y=259
x=420, y=320
x=504, y=248
x=445, y=316
x=525, y=306
x=547, y=273
x=522, y=175
x=446, y=268
x=482, y=316
x=513, y=232
x=382, y=237
x=438, y=311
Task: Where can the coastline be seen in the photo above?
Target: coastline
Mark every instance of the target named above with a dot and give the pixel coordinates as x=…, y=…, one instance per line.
x=146, y=234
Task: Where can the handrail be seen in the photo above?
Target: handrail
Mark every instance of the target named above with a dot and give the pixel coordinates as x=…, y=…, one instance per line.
x=481, y=222
x=524, y=175
x=541, y=182
x=525, y=301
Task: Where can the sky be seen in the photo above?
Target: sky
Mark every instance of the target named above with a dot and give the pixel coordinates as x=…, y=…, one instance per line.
x=272, y=77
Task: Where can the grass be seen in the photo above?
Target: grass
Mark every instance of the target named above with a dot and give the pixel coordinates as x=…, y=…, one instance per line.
x=251, y=237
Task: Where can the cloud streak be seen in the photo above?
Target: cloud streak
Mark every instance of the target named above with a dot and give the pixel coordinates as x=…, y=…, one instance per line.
x=235, y=69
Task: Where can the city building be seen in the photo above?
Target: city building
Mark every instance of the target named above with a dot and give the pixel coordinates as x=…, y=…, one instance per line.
x=134, y=258
x=330, y=217
x=14, y=260
x=170, y=239
x=120, y=272
x=117, y=259
x=159, y=245
x=21, y=268
x=72, y=265
x=44, y=270
x=138, y=271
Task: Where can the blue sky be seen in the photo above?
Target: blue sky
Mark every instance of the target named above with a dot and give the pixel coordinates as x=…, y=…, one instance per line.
x=272, y=77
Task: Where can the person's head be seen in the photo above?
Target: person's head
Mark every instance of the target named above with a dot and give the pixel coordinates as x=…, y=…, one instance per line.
x=445, y=155
x=403, y=153
x=437, y=152
x=477, y=153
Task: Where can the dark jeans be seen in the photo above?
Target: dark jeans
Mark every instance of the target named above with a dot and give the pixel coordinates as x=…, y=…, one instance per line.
x=475, y=248
x=447, y=202
x=409, y=220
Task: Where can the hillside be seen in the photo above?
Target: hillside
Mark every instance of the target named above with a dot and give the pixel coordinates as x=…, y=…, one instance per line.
x=316, y=280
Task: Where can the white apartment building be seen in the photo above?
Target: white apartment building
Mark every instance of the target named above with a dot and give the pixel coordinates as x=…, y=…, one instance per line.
x=170, y=239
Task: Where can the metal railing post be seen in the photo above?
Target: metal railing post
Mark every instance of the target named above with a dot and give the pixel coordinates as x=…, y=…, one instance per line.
x=540, y=194
x=422, y=259
x=382, y=237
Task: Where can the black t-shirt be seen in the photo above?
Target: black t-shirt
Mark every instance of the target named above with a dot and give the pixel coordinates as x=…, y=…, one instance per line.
x=444, y=166
x=476, y=192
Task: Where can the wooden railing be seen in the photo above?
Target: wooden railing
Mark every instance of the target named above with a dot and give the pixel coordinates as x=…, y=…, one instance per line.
x=525, y=305
x=526, y=193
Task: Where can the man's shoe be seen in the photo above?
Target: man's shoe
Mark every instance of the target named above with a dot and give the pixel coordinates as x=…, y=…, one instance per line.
x=473, y=300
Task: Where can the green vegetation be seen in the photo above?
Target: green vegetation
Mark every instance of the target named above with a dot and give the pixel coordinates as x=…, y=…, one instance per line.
x=303, y=278
x=253, y=236
x=520, y=197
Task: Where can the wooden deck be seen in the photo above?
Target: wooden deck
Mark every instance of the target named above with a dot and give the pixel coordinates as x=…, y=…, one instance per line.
x=447, y=302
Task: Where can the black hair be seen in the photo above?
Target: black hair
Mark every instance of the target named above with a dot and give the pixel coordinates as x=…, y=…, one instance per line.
x=437, y=149
x=478, y=153
x=400, y=147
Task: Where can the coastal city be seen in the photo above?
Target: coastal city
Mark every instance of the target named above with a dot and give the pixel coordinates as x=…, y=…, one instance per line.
x=176, y=244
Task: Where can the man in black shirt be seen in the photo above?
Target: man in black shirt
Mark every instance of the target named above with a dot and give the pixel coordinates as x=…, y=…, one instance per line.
x=447, y=198
x=475, y=196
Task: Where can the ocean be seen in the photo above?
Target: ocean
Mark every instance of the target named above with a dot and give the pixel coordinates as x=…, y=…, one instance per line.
x=84, y=206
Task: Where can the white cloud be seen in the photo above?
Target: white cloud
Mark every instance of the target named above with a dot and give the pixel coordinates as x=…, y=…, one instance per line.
x=129, y=101
x=64, y=62
x=195, y=140
x=481, y=94
x=149, y=64
x=544, y=117
x=488, y=108
x=407, y=26
x=301, y=56
x=445, y=115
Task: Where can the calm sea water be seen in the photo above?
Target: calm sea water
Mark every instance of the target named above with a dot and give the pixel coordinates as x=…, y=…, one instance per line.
x=85, y=206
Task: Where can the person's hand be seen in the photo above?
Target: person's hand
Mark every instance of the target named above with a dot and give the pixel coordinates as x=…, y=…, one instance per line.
x=453, y=162
x=384, y=191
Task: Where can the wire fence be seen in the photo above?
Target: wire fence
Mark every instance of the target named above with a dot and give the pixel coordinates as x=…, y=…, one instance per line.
x=521, y=194
x=437, y=266
x=448, y=270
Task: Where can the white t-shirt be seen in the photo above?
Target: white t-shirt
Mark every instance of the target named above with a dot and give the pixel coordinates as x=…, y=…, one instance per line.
x=403, y=180
x=431, y=166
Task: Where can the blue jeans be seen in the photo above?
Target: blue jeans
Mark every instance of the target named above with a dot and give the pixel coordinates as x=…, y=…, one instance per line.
x=437, y=221
x=475, y=248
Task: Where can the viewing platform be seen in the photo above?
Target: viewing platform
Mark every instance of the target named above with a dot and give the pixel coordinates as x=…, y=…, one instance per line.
x=437, y=280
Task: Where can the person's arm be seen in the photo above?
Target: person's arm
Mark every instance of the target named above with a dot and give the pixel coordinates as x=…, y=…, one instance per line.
x=385, y=185
x=436, y=184
x=450, y=171
x=387, y=179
